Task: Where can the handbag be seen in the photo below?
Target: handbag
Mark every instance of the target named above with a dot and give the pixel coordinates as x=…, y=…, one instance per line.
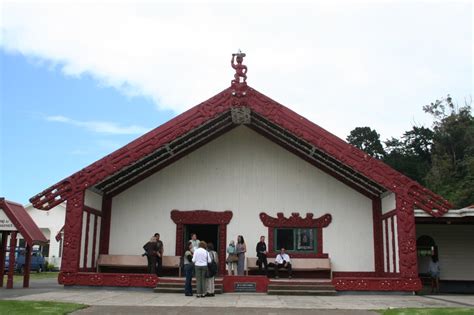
x=232, y=258
x=211, y=268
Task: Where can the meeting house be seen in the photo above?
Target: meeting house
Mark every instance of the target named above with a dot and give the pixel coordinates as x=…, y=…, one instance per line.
x=240, y=163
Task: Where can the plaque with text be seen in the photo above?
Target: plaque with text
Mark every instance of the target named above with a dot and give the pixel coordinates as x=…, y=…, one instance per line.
x=245, y=287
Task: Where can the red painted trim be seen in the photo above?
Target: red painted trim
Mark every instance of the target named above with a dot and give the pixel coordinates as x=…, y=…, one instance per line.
x=105, y=224
x=73, y=233
x=180, y=218
x=261, y=282
x=272, y=111
x=11, y=266
x=296, y=221
x=389, y=214
x=108, y=279
x=3, y=252
x=408, y=261
x=354, y=274
x=376, y=284
x=387, y=248
x=26, y=275
x=378, y=235
x=93, y=211
x=94, y=242
x=394, y=256
x=86, y=237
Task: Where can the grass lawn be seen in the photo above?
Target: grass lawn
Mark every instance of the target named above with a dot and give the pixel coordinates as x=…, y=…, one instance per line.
x=17, y=278
x=37, y=307
x=429, y=311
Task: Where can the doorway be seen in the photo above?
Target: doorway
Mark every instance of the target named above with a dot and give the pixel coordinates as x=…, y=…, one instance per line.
x=204, y=232
x=208, y=225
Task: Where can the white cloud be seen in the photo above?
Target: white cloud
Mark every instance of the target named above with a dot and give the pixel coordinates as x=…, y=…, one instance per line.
x=103, y=127
x=342, y=66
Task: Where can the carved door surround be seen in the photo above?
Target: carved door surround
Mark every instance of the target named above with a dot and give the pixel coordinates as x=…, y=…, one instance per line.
x=221, y=218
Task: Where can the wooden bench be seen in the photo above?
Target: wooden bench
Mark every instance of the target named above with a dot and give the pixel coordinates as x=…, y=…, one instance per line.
x=135, y=262
x=297, y=264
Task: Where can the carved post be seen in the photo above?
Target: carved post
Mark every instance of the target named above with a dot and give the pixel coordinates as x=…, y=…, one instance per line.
x=378, y=235
x=72, y=233
x=3, y=252
x=406, y=238
x=11, y=268
x=26, y=273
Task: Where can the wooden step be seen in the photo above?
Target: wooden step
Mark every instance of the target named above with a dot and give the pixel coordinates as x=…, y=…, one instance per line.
x=181, y=290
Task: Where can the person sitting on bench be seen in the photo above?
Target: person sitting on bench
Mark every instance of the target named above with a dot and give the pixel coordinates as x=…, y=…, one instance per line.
x=282, y=260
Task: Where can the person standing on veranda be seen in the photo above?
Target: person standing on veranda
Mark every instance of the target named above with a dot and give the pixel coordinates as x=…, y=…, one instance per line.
x=241, y=250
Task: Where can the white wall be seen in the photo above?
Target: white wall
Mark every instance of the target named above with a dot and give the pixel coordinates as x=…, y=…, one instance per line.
x=455, y=247
x=246, y=173
x=51, y=221
x=388, y=202
x=93, y=200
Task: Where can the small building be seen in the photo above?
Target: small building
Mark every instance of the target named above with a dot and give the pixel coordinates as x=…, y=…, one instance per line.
x=240, y=163
x=451, y=238
x=15, y=221
x=50, y=223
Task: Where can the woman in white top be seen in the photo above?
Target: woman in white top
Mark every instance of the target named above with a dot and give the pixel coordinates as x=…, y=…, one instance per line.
x=200, y=260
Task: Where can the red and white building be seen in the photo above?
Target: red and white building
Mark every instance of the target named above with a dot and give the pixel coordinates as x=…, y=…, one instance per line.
x=241, y=163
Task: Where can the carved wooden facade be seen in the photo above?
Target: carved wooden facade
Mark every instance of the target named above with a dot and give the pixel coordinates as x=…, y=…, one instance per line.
x=241, y=104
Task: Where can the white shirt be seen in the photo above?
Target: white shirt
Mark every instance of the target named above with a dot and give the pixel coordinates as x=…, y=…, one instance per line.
x=201, y=257
x=279, y=258
x=195, y=244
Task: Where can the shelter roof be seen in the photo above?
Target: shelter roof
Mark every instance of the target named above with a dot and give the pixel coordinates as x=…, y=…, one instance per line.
x=23, y=222
x=239, y=105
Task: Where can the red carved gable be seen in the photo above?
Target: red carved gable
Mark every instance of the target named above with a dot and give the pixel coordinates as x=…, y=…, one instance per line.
x=243, y=101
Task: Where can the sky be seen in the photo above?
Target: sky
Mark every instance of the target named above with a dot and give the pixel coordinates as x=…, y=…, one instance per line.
x=80, y=79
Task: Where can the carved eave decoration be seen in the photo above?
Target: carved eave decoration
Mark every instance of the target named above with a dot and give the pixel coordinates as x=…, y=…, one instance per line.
x=241, y=105
x=295, y=220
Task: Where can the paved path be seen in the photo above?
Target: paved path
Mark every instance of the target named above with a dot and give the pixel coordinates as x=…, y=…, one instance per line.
x=186, y=310
x=144, y=301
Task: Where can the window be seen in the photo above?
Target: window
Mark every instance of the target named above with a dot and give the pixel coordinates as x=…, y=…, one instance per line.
x=296, y=239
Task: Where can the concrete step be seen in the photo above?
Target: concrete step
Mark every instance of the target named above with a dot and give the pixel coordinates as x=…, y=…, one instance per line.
x=301, y=292
x=178, y=287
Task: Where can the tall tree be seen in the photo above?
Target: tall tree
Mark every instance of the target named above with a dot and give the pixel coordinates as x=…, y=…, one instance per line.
x=452, y=171
x=411, y=155
x=367, y=140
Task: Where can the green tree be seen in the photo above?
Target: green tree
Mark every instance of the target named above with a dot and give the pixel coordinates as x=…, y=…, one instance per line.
x=452, y=171
x=367, y=140
x=411, y=155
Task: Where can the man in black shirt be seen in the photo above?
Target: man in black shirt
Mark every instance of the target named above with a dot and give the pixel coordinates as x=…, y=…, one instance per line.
x=159, y=255
x=262, y=255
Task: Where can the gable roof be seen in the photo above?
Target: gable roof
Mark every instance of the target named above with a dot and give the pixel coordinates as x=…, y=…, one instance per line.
x=23, y=222
x=241, y=105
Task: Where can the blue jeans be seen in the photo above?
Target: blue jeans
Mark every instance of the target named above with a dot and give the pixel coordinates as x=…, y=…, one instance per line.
x=188, y=271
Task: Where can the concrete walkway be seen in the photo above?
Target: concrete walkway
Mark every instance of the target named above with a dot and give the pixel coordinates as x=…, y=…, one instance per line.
x=118, y=300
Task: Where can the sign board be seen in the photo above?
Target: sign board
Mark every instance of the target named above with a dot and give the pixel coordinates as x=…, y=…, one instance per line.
x=5, y=223
x=245, y=287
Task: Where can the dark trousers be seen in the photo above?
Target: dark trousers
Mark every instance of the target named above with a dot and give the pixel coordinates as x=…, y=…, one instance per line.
x=188, y=271
x=151, y=264
x=262, y=260
x=159, y=264
x=287, y=266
